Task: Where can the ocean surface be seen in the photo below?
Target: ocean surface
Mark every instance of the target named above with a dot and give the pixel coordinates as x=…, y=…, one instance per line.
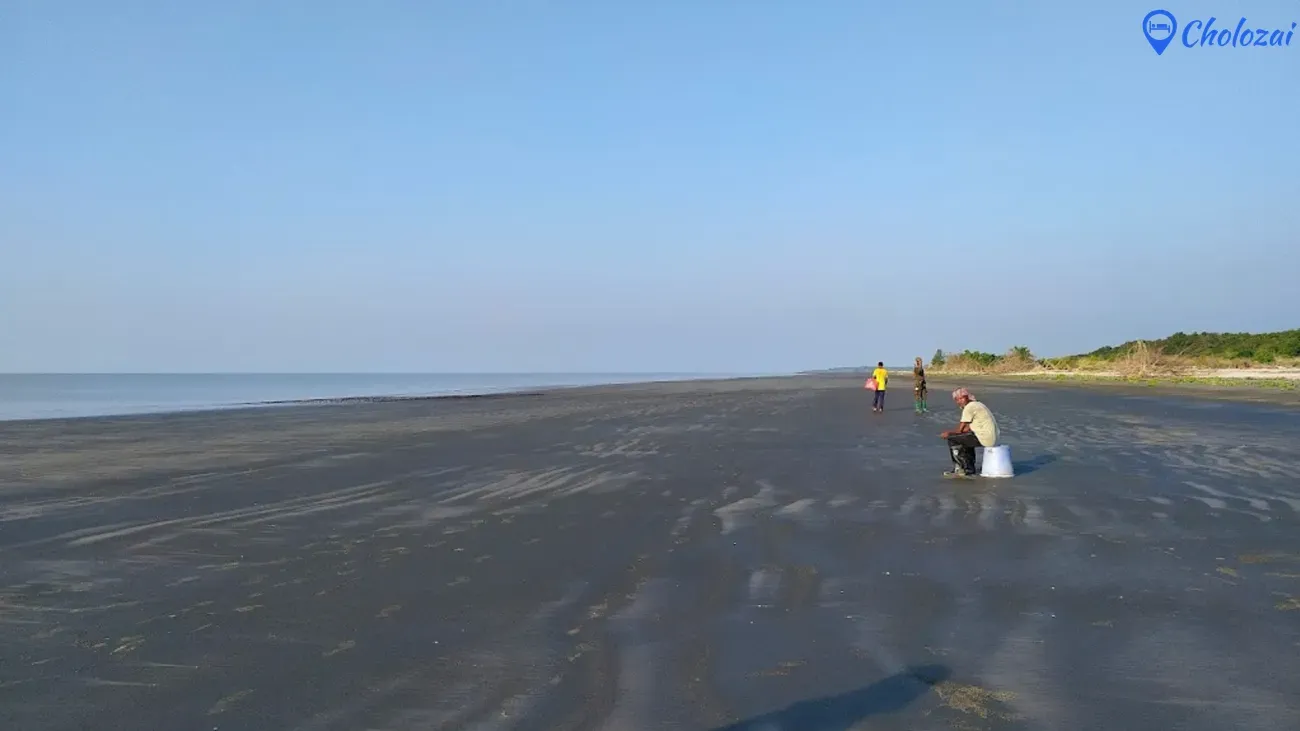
x=53, y=396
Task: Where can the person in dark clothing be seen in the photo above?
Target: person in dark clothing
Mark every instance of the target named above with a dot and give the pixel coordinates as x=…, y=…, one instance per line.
x=918, y=387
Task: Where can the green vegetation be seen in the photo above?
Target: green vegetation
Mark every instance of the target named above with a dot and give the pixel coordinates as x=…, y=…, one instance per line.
x=1167, y=360
x=1018, y=358
x=1231, y=347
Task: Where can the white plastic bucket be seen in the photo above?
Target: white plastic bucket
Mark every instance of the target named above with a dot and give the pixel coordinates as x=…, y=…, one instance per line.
x=997, y=462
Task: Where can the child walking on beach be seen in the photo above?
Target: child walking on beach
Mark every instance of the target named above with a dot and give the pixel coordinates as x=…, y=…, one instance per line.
x=881, y=375
x=918, y=387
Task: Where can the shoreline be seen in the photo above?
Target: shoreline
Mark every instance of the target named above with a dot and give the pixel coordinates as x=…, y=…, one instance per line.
x=1223, y=389
x=1245, y=385
x=284, y=405
x=522, y=389
x=504, y=393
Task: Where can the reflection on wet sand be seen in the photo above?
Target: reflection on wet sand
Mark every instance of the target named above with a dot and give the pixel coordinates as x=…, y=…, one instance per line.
x=739, y=555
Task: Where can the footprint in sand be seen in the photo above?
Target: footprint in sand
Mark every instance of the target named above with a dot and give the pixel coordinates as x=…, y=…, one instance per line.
x=342, y=647
x=224, y=704
x=128, y=644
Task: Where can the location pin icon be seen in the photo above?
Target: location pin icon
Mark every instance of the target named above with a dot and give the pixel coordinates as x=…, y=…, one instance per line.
x=1159, y=27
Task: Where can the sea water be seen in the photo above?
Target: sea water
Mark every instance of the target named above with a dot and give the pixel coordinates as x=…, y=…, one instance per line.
x=52, y=396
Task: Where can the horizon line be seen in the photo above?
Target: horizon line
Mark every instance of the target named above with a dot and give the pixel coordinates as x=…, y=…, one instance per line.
x=379, y=373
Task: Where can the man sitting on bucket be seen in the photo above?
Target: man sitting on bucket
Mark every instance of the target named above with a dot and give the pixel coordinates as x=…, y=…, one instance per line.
x=978, y=428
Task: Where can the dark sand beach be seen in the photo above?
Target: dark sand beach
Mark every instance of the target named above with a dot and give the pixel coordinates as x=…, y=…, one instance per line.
x=759, y=554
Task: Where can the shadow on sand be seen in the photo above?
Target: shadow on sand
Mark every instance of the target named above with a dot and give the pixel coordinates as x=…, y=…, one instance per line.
x=842, y=712
x=1033, y=465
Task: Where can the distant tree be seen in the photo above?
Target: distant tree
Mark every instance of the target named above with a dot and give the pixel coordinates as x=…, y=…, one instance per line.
x=1248, y=346
x=1022, y=352
x=938, y=360
x=980, y=358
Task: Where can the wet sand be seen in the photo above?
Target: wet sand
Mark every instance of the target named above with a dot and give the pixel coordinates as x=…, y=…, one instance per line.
x=762, y=554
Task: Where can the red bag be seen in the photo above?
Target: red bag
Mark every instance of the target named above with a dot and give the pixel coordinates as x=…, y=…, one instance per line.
x=870, y=384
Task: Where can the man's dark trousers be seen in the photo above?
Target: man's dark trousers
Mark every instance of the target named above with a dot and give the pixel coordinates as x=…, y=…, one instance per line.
x=962, y=449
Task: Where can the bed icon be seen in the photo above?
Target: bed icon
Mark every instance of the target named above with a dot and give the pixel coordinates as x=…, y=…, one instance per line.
x=1159, y=27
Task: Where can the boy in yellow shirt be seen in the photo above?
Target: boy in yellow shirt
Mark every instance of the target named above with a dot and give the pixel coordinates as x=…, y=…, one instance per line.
x=882, y=378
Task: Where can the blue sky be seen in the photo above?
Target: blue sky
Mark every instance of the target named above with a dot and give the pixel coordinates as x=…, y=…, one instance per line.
x=595, y=185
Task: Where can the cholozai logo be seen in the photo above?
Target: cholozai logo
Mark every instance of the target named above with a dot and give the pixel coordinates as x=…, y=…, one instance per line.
x=1160, y=28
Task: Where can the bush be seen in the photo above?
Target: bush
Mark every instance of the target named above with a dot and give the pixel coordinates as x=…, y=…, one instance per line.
x=1143, y=361
x=1137, y=358
x=976, y=361
x=1068, y=363
x=1211, y=347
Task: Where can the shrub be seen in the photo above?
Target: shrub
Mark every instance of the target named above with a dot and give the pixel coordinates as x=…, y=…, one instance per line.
x=1144, y=361
x=1215, y=347
x=1140, y=358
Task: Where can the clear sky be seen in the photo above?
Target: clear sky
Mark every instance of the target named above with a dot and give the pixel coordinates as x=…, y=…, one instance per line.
x=606, y=185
